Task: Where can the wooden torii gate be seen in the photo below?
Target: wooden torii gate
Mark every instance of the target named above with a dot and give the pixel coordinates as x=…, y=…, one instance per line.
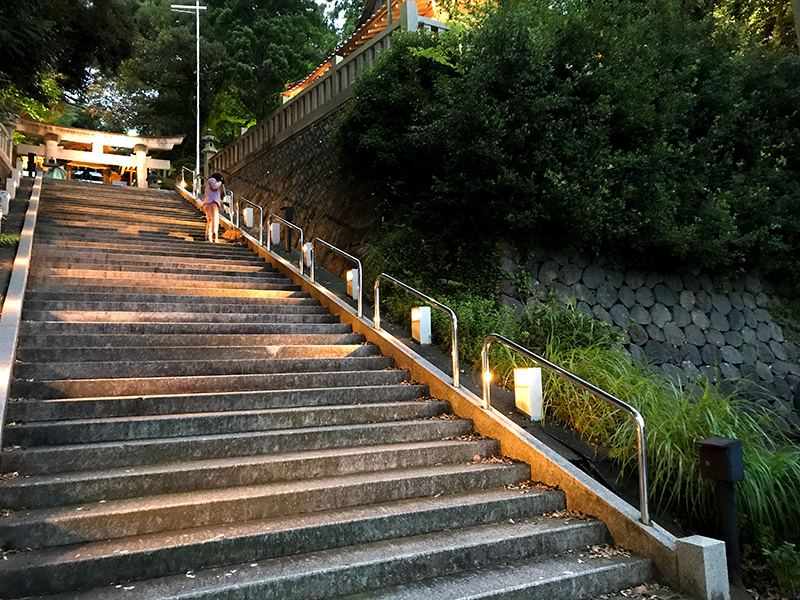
x=98, y=141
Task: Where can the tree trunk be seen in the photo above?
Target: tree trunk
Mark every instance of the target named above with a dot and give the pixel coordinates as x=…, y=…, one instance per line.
x=796, y=13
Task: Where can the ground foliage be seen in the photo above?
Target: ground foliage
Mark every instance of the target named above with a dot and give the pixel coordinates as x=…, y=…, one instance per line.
x=646, y=131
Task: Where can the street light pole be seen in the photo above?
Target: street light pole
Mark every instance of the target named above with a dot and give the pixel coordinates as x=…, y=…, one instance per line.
x=196, y=8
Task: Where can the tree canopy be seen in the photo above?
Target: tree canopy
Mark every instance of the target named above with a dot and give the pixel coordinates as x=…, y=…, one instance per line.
x=643, y=130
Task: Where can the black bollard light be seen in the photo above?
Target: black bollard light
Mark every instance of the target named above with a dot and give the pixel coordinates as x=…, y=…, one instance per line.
x=31, y=164
x=797, y=396
x=288, y=214
x=722, y=460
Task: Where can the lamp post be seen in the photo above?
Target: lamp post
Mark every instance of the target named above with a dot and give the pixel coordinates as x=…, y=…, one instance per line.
x=195, y=9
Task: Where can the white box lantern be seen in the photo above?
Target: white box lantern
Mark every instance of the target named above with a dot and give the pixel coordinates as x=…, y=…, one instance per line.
x=11, y=188
x=421, y=324
x=4, y=197
x=307, y=254
x=247, y=214
x=352, y=283
x=275, y=233
x=528, y=392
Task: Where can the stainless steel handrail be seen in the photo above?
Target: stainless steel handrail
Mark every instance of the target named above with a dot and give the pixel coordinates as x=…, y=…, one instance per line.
x=229, y=205
x=432, y=302
x=593, y=389
x=346, y=255
x=260, y=218
x=274, y=217
x=184, y=170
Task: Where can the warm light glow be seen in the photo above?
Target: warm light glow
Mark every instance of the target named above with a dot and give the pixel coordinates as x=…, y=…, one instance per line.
x=522, y=377
x=182, y=184
x=487, y=376
x=350, y=275
x=415, y=313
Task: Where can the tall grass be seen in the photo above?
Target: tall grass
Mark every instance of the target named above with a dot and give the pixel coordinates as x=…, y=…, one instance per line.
x=676, y=417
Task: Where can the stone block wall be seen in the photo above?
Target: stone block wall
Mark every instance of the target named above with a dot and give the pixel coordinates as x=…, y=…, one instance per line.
x=684, y=324
x=302, y=172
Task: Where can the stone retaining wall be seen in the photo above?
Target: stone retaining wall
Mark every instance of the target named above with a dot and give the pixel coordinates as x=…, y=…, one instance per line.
x=302, y=172
x=684, y=324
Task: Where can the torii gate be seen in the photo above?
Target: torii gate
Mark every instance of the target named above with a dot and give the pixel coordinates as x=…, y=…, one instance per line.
x=54, y=134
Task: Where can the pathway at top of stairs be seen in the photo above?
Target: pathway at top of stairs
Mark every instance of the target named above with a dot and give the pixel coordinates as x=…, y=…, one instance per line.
x=187, y=423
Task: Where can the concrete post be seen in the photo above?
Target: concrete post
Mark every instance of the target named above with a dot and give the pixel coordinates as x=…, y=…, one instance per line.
x=11, y=188
x=702, y=568
x=141, y=165
x=50, y=147
x=4, y=202
x=409, y=16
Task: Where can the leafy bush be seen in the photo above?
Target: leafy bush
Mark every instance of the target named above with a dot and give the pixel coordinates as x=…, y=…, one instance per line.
x=638, y=130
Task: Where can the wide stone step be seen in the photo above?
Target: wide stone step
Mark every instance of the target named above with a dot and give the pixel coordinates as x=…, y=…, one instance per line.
x=197, y=271
x=180, y=367
x=131, y=453
x=71, y=340
x=43, y=491
x=360, y=568
x=60, y=327
x=190, y=250
x=156, y=281
x=185, y=303
x=98, y=564
x=113, y=316
x=55, y=257
x=569, y=576
x=77, y=388
x=78, y=431
x=216, y=290
x=102, y=354
x=39, y=307
x=89, y=408
x=48, y=527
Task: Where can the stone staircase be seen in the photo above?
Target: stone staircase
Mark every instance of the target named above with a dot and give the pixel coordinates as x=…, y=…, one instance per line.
x=187, y=423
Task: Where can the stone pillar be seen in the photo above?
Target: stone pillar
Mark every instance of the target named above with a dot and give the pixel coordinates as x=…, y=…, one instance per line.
x=409, y=16
x=209, y=149
x=141, y=165
x=50, y=147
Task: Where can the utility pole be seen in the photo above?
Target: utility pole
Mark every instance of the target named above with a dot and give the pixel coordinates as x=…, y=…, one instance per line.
x=196, y=8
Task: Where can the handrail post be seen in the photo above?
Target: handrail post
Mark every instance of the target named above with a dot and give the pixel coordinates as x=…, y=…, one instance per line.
x=641, y=432
x=432, y=302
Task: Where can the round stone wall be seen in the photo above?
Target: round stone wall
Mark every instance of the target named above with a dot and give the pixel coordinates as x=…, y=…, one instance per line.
x=683, y=324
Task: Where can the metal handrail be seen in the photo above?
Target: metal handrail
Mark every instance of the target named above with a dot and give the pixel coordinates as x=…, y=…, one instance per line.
x=346, y=255
x=274, y=217
x=432, y=302
x=229, y=205
x=593, y=389
x=183, y=177
x=260, y=218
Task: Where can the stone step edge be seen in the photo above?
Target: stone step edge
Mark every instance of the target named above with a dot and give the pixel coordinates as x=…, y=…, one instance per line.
x=114, y=556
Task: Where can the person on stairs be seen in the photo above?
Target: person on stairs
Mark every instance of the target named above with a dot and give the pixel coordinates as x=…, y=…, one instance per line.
x=212, y=201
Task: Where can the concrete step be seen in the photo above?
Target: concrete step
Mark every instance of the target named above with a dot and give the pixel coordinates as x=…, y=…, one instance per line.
x=570, y=576
x=216, y=290
x=79, y=328
x=361, y=568
x=159, y=264
x=78, y=431
x=104, y=563
x=79, y=306
x=102, y=354
x=181, y=302
x=116, y=316
x=55, y=257
x=105, y=387
x=190, y=249
x=48, y=527
x=88, y=408
x=158, y=281
x=132, y=340
x=43, y=491
x=180, y=367
x=197, y=271
x=132, y=453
